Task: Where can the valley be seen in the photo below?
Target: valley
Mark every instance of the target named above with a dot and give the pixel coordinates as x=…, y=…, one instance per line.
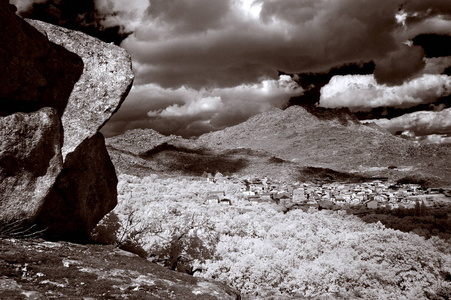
x=288, y=204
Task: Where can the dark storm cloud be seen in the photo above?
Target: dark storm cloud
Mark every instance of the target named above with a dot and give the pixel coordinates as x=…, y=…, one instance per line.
x=82, y=15
x=188, y=16
x=204, y=43
x=188, y=55
x=419, y=10
x=189, y=112
x=199, y=45
x=400, y=65
x=434, y=45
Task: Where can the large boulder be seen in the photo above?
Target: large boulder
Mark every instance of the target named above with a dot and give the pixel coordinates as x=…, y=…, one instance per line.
x=84, y=192
x=86, y=189
x=30, y=161
x=34, y=72
x=69, y=188
x=106, y=80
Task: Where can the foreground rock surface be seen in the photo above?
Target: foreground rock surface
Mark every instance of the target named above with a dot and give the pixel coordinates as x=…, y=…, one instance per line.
x=84, y=192
x=106, y=80
x=36, y=269
x=30, y=161
x=35, y=73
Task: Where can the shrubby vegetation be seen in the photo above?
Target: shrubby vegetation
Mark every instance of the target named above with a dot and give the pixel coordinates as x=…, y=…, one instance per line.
x=265, y=253
x=422, y=220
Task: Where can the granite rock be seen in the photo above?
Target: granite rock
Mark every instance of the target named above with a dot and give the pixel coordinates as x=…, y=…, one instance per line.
x=36, y=269
x=84, y=192
x=105, y=82
x=30, y=161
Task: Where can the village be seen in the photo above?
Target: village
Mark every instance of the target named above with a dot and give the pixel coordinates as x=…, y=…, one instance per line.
x=374, y=194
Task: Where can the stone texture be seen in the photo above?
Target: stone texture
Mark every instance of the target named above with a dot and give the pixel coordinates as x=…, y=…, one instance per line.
x=34, y=269
x=39, y=66
x=84, y=192
x=34, y=73
x=30, y=161
x=106, y=80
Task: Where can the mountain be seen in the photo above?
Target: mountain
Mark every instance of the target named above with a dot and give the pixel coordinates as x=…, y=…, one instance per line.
x=324, y=139
x=291, y=144
x=295, y=134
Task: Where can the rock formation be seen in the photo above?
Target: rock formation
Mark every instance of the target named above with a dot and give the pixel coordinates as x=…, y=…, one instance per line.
x=55, y=170
x=34, y=72
x=84, y=192
x=106, y=80
x=30, y=161
x=34, y=269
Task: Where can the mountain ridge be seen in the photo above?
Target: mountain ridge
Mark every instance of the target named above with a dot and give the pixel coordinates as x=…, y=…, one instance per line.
x=297, y=129
x=286, y=143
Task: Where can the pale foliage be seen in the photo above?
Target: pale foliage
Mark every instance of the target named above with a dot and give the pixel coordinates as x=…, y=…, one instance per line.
x=327, y=254
x=267, y=254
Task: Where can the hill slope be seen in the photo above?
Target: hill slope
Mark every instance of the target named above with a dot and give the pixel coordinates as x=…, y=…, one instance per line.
x=285, y=145
x=295, y=134
x=299, y=136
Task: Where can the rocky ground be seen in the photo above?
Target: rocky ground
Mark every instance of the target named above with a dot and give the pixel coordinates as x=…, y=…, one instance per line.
x=38, y=269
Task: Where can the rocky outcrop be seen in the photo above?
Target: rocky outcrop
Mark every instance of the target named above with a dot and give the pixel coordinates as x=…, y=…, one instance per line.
x=34, y=269
x=69, y=189
x=34, y=72
x=84, y=192
x=30, y=161
x=106, y=80
x=86, y=189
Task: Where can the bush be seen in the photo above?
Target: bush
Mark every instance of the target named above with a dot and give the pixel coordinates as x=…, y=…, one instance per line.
x=126, y=236
x=176, y=245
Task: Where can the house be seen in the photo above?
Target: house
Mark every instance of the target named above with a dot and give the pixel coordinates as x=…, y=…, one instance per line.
x=254, y=199
x=212, y=200
x=248, y=193
x=283, y=196
x=213, y=197
x=299, y=195
x=283, y=200
x=225, y=202
x=266, y=197
x=372, y=204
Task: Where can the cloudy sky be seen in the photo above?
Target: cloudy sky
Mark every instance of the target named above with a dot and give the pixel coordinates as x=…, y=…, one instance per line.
x=203, y=65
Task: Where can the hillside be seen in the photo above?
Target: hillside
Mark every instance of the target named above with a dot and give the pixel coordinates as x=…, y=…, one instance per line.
x=298, y=136
x=283, y=144
x=295, y=134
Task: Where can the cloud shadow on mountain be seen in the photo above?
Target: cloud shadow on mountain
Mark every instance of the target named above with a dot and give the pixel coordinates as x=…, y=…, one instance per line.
x=194, y=161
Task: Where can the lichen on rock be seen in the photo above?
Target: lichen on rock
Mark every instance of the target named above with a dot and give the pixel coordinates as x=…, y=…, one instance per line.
x=105, y=82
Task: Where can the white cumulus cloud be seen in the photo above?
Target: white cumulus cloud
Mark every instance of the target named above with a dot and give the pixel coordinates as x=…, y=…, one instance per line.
x=421, y=123
x=362, y=92
x=188, y=112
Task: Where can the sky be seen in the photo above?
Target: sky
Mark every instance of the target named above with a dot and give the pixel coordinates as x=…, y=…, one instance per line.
x=204, y=65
